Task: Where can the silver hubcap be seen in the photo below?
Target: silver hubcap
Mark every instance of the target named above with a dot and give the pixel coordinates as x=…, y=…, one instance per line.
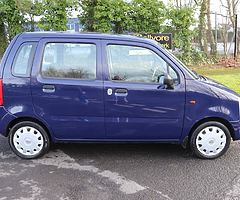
x=28, y=141
x=211, y=141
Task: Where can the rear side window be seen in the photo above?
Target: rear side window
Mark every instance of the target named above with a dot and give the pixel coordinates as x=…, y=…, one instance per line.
x=23, y=60
x=69, y=60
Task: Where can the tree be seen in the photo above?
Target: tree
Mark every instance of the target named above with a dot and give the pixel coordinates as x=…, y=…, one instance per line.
x=120, y=20
x=30, y=9
x=55, y=14
x=231, y=7
x=213, y=46
x=202, y=27
x=3, y=38
x=87, y=17
x=223, y=30
x=118, y=16
x=104, y=15
x=11, y=17
x=180, y=21
x=147, y=16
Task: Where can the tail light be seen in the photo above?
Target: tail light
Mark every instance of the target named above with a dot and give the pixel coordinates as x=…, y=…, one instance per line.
x=1, y=92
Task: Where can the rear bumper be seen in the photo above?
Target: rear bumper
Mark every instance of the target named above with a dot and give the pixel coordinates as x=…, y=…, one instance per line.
x=236, y=127
x=5, y=119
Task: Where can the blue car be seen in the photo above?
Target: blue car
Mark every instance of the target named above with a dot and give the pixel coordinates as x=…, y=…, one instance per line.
x=89, y=87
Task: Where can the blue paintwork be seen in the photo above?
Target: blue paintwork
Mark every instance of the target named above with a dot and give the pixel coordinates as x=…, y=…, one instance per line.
x=146, y=112
x=213, y=100
x=76, y=106
x=82, y=111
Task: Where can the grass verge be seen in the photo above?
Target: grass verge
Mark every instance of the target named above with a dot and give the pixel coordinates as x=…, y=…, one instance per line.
x=227, y=76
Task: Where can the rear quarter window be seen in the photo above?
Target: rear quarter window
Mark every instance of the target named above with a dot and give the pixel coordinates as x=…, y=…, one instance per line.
x=23, y=60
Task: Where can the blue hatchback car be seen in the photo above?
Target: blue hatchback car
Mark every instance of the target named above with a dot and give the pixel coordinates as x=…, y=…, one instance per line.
x=88, y=87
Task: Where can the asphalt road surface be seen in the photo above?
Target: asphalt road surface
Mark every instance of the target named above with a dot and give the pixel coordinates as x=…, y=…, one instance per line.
x=119, y=171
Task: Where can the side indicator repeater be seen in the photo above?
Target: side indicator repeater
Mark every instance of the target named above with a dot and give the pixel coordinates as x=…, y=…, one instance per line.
x=193, y=102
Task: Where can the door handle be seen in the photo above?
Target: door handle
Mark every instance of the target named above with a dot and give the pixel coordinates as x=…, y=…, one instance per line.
x=48, y=88
x=121, y=92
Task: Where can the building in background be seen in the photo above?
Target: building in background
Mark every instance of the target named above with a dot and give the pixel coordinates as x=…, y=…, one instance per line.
x=74, y=25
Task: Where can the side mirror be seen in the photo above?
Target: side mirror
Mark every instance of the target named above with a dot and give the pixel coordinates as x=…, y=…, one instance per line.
x=169, y=82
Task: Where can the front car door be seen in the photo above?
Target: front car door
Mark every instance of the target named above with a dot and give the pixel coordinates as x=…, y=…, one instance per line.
x=137, y=106
x=67, y=88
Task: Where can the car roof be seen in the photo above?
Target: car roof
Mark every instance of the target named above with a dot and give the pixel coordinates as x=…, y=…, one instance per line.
x=86, y=35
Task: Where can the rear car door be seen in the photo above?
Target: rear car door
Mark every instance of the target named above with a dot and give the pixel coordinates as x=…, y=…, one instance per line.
x=67, y=88
x=137, y=107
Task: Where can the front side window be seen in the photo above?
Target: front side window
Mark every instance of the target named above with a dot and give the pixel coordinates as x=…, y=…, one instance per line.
x=23, y=60
x=69, y=60
x=137, y=64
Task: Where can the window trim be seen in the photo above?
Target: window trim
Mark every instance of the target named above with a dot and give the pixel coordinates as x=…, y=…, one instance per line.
x=135, y=45
x=63, y=78
x=30, y=60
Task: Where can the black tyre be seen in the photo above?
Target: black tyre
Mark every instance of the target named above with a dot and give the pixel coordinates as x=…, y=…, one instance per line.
x=210, y=140
x=28, y=140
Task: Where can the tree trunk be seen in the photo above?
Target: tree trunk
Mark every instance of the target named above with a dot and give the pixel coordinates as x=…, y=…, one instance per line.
x=224, y=38
x=32, y=23
x=213, y=49
x=118, y=28
x=91, y=21
x=202, y=28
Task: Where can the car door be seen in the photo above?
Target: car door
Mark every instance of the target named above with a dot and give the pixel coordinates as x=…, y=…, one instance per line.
x=137, y=106
x=67, y=88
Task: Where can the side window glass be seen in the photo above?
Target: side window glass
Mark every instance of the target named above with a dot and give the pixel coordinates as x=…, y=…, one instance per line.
x=137, y=64
x=23, y=60
x=69, y=60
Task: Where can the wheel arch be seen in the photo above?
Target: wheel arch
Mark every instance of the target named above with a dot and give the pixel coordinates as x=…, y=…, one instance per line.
x=216, y=119
x=31, y=119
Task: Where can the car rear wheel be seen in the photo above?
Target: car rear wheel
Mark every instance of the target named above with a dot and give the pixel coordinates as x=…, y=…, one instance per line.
x=210, y=140
x=28, y=140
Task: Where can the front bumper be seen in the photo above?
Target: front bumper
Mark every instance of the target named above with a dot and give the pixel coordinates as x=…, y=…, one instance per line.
x=236, y=127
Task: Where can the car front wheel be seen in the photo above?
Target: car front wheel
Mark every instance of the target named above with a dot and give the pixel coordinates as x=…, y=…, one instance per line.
x=210, y=140
x=28, y=140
